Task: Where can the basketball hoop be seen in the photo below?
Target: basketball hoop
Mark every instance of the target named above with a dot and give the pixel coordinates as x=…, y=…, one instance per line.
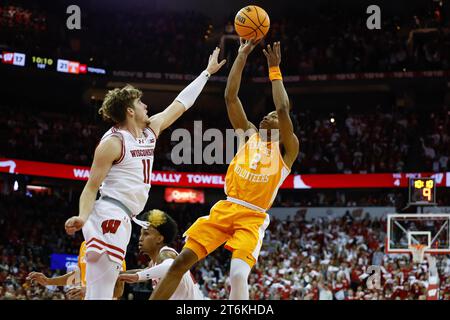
x=418, y=251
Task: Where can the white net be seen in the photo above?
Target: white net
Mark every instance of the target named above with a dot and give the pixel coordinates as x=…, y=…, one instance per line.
x=418, y=251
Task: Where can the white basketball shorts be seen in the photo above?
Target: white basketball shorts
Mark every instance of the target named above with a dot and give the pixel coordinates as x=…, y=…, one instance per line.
x=108, y=230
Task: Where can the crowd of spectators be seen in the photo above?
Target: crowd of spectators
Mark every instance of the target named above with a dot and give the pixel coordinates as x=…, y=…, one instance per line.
x=12, y=16
x=31, y=229
x=355, y=142
x=49, y=137
x=377, y=141
x=332, y=41
x=300, y=259
x=326, y=260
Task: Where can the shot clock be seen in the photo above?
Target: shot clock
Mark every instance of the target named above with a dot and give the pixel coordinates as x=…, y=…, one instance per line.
x=422, y=191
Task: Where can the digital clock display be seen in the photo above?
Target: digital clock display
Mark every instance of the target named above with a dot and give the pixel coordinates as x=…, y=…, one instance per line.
x=42, y=62
x=422, y=191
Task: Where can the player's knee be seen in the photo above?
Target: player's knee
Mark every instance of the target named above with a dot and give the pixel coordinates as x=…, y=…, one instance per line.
x=92, y=256
x=239, y=271
x=238, y=275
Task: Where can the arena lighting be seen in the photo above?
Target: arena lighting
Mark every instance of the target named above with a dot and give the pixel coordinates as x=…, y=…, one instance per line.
x=16, y=186
x=38, y=189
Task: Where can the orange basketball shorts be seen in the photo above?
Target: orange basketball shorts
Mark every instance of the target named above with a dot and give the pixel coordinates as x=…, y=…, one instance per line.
x=240, y=228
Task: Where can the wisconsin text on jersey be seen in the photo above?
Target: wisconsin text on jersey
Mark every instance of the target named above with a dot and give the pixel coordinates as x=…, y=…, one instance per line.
x=142, y=153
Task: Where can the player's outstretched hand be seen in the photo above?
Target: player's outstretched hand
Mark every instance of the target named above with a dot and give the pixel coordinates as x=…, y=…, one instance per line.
x=273, y=55
x=213, y=64
x=247, y=46
x=129, y=278
x=76, y=293
x=38, y=277
x=73, y=224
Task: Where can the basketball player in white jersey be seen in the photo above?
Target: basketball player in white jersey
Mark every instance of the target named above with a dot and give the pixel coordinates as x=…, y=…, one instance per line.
x=121, y=170
x=153, y=242
x=433, y=279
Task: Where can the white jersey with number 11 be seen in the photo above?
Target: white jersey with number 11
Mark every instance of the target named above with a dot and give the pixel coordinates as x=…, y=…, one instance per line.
x=129, y=179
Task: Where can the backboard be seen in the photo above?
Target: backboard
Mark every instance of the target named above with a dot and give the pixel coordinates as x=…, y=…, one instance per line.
x=429, y=229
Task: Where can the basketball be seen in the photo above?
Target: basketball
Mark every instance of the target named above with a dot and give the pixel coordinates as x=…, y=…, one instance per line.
x=252, y=22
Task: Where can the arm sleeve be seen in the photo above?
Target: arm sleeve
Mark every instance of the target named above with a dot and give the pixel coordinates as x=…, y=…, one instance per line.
x=155, y=272
x=189, y=94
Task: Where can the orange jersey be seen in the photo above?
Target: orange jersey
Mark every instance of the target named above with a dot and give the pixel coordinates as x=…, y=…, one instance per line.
x=82, y=263
x=256, y=173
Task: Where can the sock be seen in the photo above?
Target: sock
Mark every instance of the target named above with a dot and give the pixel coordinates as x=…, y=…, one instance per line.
x=239, y=272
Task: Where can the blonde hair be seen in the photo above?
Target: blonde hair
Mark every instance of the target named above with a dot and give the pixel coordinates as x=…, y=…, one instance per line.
x=156, y=218
x=164, y=223
x=116, y=102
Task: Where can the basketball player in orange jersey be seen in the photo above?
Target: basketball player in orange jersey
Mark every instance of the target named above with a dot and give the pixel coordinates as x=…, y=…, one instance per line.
x=75, y=278
x=251, y=184
x=121, y=170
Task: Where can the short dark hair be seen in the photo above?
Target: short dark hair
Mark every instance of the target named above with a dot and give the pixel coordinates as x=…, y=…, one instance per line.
x=164, y=223
x=116, y=102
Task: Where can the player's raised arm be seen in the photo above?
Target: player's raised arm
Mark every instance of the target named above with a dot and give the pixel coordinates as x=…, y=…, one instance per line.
x=235, y=110
x=281, y=101
x=106, y=153
x=187, y=97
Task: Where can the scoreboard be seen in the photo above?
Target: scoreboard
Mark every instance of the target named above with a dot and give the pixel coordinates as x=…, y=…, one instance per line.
x=47, y=63
x=422, y=191
x=70, y=66
x=13, y=58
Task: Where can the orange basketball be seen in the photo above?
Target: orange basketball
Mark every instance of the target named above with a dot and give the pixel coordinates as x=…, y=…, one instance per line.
x=252, y=22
